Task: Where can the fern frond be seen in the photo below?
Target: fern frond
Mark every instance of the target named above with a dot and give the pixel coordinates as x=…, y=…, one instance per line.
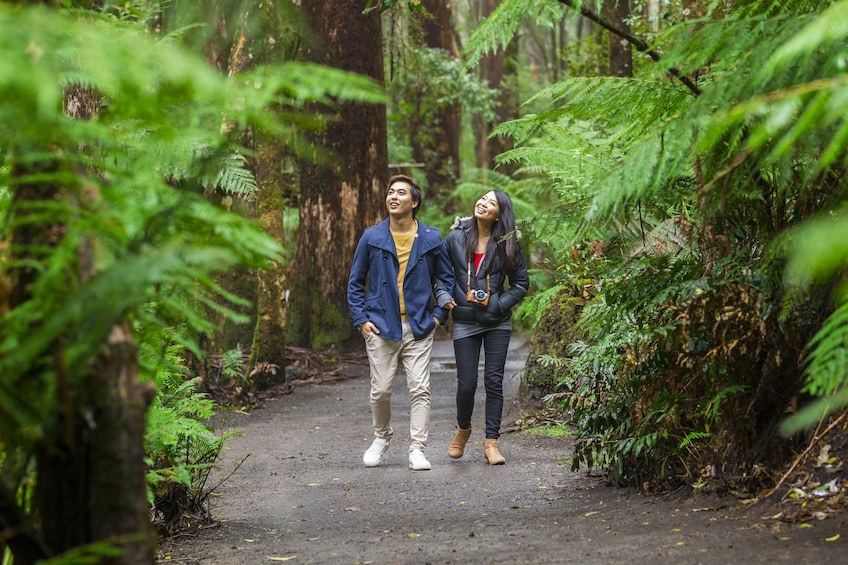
x=500, y=27
x=818, y=250
x=625, y=106
x=825, y=31
x=825, y=371
x=235, y=178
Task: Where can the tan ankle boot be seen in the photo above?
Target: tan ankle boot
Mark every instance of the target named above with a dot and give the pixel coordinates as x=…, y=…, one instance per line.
x=493, y=456
x=457, y=446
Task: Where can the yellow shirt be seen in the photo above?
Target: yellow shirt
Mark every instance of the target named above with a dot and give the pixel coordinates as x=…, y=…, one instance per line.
x=403, y=244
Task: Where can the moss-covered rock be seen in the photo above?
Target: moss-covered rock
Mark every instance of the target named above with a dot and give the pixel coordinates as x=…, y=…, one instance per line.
x=555, y=331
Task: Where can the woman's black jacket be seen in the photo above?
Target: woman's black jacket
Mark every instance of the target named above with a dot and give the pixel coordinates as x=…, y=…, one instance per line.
x=501, y=299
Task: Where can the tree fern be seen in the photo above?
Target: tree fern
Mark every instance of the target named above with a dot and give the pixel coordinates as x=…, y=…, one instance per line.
x=127, y=236
x=690, y=185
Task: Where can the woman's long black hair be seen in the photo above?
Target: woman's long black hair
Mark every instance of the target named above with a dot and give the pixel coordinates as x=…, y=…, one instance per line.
x=502, y=248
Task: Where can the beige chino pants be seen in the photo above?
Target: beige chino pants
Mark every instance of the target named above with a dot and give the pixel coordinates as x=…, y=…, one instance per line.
x=384, y=357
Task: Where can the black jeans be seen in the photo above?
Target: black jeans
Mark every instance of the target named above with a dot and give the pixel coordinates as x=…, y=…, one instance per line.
x=467, y=350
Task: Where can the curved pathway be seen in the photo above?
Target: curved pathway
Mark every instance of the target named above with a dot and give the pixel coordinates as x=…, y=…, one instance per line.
x=303, y=496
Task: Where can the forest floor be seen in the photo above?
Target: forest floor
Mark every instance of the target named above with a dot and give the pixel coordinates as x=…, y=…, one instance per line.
x=292, y=488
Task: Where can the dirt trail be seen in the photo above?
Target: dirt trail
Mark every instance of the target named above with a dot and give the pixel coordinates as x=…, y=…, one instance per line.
x=303, y=496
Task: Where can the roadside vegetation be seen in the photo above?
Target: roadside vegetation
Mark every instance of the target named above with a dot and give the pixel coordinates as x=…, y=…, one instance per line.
x=168, y=171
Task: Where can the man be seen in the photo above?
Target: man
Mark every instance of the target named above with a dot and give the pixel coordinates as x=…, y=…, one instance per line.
x=390, y=294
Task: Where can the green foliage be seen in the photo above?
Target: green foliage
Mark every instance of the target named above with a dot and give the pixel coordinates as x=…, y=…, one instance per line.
x=180, y=448
x=556, y=430
x=233, y=364
x=415, y=100
x=102, y=220
x=690, y=199
x=384, y=5
x=500, y=28
x=88, y=554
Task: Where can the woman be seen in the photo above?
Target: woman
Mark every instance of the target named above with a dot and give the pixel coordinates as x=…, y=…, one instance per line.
x=485, y=254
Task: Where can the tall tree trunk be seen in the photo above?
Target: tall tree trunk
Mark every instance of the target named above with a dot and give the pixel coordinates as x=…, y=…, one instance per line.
x=493, y=72
x=220, y=18
x=340, y=199
x=269, y=337
x=620, y=50
x=90, y=467
x=441, y=159
x=267, y=359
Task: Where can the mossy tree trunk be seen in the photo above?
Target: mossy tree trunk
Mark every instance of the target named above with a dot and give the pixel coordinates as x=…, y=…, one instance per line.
x=90, y=483
x=269, y=336
x=339, y=198
x=267, y=351
x=91, y=473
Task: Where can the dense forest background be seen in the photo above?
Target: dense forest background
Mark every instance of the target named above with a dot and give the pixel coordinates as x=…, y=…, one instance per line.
x=182, y=185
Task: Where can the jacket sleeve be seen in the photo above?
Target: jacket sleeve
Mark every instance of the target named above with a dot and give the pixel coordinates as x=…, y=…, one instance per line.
x=356, y=283
x=440, y=290
x=443, y=282
x=519, y=283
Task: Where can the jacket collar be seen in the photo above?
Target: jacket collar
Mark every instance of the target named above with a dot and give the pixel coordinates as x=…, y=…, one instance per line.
x=424, y=240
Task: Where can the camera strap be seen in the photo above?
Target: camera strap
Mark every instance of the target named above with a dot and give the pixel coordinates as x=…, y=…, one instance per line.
x=488, y=280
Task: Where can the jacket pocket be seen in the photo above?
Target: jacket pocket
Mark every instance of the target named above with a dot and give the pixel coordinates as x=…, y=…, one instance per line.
x=492, y=314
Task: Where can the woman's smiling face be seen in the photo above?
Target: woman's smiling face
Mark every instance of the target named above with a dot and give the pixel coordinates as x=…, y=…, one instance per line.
x=487, y=208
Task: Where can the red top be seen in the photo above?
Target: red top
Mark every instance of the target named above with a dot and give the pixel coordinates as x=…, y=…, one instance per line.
x=477, y=258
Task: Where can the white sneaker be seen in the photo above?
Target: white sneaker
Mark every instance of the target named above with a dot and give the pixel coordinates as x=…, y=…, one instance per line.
x=374, y=455
x=417, y=461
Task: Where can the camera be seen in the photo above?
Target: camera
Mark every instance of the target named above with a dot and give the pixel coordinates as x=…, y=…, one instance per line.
x=481, y=297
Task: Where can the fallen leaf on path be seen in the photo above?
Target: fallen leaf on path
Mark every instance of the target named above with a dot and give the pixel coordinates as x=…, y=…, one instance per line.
x=413, y=535
x=826, y=489
x=590, y=513
x=289, y=558
x=352, y=509
x=832, y=538
x=796, y=493
x=314, y=485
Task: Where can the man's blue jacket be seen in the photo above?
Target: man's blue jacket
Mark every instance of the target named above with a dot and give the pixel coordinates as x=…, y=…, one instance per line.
x=372, y=291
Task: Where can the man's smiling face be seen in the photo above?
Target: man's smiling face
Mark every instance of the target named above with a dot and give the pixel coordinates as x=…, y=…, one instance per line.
x=399, y=199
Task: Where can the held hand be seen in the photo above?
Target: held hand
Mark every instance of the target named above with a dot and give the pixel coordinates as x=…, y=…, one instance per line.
x=450, y=305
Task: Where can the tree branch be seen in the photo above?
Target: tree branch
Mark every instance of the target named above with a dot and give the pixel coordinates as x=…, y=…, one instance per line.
x=635, y=41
